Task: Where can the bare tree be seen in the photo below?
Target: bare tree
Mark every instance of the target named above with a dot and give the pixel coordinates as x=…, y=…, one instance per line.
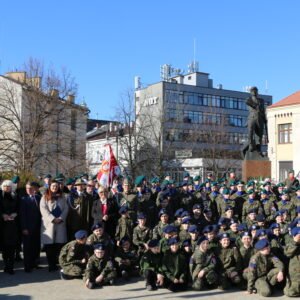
x=34, y=112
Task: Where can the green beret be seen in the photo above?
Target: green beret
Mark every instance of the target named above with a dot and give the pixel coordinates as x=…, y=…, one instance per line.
x=197, y=178
x=139, y=180
x=280, y=184
x=15, y=179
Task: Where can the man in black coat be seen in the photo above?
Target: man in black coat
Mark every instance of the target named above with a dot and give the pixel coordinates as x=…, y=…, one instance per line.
x=30, y=219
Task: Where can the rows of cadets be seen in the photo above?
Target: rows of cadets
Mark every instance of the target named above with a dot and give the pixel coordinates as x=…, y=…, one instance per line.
x=199, y=234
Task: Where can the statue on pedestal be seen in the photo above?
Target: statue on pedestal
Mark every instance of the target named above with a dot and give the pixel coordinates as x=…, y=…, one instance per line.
x=257, y=125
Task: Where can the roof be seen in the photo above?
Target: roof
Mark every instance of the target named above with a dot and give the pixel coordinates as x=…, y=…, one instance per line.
x=289, y=100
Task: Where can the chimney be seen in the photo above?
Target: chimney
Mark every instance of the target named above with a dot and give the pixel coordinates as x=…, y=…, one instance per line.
x=54, y=93
x=34, y=82
x=18, y=76
x=71, y=98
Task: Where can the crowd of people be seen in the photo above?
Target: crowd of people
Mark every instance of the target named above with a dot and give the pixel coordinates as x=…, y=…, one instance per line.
x=200, y=233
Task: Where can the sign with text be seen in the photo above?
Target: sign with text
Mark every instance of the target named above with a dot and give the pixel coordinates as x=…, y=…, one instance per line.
x=183, y=153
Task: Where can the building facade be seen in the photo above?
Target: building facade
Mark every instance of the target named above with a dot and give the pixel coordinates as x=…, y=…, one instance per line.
x=186, y=117
x=284, y=136
x=40, y=132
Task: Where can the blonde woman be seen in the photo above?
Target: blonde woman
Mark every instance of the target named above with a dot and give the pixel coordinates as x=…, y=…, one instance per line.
x=54, y=210
x=9, y=225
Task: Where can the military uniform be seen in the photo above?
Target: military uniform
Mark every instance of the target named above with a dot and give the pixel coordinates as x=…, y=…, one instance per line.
x=150, y=265
x=129, y=255
x=174, y=266
x=99, y=266
x=124, y=228
x=250, y=205
x=158, y=230
x=230, y=265
x=104, y=239
x=130, y=200
x=262, y=273
x=70, y=258
x=206, y=262
x=292, y=251
x=141, y=235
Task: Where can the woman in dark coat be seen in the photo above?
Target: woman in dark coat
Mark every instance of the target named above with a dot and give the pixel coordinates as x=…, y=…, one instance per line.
x=9, y=227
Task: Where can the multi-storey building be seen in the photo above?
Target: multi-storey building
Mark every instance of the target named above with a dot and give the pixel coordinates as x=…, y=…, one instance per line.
x=284, y=132
x=40, y=132
x=193, y=124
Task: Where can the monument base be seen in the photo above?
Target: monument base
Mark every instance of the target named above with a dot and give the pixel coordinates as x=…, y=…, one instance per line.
x=256, y=169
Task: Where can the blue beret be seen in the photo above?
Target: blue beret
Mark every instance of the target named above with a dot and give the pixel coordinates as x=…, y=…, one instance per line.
x=233, y=221
x=254, y=227
x=173, y=241
x=202, y=239
x=274, y=226
x=260, y=218
x=124, y=240
x=197, y=206
x=261, y=244
x=123, y=210
x=223, y=221
x=163, y=211
x=169, y=229
x=246, y=233
x=193, y=229
x=209, y=228
x=80, y=234
x=153, y=243
x=97, y=226
x=207, y=210
x=228, y=207
x=186, y=220
x=178, y=212
x=280, y=213
x=141, y=216
x=186, y=243
x=242, y=227
x=295, y=231
x=224, y=236
x=260, y=232
x=99, y=246
x=185, y=214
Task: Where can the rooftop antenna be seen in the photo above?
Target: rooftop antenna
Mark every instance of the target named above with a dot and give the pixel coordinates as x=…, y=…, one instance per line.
x=266, y=87
x=194, y=65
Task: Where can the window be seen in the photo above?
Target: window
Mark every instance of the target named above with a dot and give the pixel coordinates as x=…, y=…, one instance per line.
x=73, y=119
x=72, y=149
x=285, y=133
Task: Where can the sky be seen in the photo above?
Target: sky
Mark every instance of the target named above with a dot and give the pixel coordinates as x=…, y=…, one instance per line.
x=105, y=44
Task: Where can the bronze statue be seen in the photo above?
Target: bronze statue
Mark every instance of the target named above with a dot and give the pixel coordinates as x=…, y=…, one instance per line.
x=257, y=123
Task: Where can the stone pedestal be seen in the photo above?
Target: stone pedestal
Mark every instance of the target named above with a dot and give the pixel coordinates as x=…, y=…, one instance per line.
x=256, y=169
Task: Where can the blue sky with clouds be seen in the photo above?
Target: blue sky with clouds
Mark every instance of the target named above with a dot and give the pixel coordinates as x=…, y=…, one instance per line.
x=106, y=43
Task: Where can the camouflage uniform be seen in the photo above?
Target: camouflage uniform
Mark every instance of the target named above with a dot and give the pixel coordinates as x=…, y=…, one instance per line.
x=292, y=251
x=140, y=237
x=124, y=228
x=103, y=239
x=99, y=266
x=230, y=265
x=206, y=262
x=262, y=273
x=70, y=258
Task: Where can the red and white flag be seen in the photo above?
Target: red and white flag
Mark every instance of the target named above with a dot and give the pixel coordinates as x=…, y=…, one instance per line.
x=109, y=168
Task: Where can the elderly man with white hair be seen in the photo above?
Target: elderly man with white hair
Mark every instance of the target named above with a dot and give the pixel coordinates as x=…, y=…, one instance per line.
x=9, y=225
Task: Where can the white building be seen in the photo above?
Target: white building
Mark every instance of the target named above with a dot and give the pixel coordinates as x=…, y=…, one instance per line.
x=284, y=136
x=40, y=132
x=96, y=139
